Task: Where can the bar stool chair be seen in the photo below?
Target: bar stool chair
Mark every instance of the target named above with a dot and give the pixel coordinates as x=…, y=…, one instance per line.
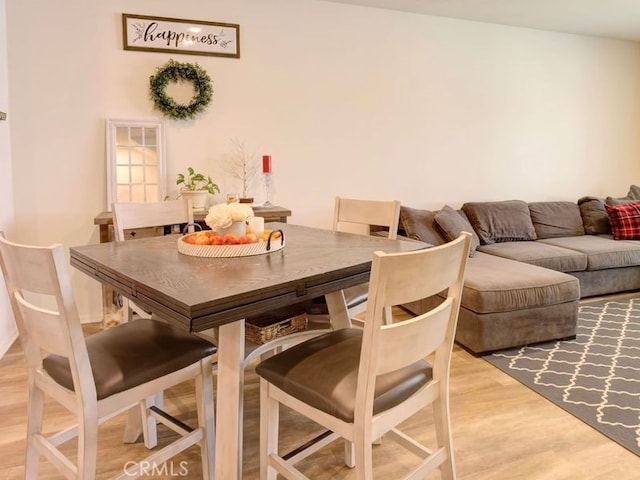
x=362, y=383
x=372, y=214
x=100, y=376
x=132, y=220
x=369, y=217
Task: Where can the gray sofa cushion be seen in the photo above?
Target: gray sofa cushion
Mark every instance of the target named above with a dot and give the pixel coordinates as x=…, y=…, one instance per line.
x=504, y=221
x=420, y=225
x=453, y=223
x=595, y=218
x=493, y=284
x=632, y=196
x=540, y=254
x=556, y=219
x=602, y=250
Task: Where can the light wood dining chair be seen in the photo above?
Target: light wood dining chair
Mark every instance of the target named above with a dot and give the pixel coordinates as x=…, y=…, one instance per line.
x=139, y=219
x=133, y=220
x=369, y=217
x=370, y=214
x=100, y=376
x=361, y=383
x=376, y=217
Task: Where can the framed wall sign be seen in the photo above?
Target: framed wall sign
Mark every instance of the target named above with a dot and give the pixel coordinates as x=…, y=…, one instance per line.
x=159, y=34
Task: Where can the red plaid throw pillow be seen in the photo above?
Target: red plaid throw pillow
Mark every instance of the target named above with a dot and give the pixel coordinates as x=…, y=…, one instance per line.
x=625, y=221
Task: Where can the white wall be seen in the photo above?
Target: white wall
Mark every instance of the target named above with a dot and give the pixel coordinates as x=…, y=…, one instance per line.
x=348, y=100
x=8, y=331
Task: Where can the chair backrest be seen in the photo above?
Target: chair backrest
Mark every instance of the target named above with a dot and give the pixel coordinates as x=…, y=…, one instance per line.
x=39, y=288
x=370, y=213
x=132, y=215
x=400, y=278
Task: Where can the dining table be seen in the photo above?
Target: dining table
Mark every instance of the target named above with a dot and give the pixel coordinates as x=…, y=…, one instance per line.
x=198, y=293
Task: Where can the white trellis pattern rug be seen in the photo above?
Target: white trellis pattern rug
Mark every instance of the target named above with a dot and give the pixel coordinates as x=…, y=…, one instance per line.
x=595, y=377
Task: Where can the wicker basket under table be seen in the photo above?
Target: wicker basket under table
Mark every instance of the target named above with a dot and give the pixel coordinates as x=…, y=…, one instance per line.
x=277, y=323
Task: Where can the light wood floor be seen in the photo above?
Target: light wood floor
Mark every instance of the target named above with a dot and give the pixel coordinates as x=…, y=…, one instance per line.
x=502, y=431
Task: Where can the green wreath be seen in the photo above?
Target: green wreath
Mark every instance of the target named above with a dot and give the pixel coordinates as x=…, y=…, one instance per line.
x=174, y=71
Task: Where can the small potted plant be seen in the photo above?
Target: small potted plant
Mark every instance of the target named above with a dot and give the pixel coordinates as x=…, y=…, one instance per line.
x=197, y=187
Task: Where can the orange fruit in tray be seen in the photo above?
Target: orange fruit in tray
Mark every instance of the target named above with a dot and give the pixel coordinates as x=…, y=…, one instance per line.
x=217, y=240
x=207, y=237
x=202, y=240
x=230, y=239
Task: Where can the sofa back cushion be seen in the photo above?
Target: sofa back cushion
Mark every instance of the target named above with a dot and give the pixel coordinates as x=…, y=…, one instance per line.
x=452, y=223
x=420, y=225
x=556, y=219
x=632, y=196
x=504, y=221
x=595, y=218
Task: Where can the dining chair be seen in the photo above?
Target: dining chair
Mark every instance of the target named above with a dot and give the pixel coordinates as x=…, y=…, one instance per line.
x=100, y=376
x=362, y=383
x=369, y=217
x=138, y=219
x=133, y=220
x=377, y=217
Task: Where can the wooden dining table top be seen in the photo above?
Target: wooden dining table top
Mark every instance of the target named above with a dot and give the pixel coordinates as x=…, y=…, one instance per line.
x=199, y=293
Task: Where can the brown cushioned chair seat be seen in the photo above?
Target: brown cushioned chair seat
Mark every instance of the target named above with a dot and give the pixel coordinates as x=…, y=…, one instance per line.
x=493, y=284
x=540, y=254
x=323, y=373
x=602, y=251
x=132, y=354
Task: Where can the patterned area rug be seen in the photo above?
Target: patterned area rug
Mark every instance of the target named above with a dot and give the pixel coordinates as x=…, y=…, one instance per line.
x=595, y=377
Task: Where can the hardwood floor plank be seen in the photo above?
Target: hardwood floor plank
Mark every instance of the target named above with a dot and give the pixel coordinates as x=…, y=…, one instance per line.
x=501, y=431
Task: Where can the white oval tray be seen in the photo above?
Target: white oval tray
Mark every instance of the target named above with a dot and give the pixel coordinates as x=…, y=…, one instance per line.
x=244, y=250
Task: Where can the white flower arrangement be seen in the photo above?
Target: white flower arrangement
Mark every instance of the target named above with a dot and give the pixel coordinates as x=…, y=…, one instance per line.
x=223, y=215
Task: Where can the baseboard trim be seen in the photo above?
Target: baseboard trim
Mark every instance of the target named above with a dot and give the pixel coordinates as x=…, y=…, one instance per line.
x=12, y=337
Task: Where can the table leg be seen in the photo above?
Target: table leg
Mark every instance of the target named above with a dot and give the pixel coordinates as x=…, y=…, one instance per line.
x=338, y=312
x=133, y=427
x=230, y=401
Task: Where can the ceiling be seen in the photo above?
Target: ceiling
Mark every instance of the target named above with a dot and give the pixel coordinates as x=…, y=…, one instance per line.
x=618, y=19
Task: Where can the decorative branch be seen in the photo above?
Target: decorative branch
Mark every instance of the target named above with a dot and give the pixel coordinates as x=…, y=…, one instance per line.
x=244, y=166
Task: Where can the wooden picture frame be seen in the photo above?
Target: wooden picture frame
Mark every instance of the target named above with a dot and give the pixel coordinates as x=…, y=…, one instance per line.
x=192, y=37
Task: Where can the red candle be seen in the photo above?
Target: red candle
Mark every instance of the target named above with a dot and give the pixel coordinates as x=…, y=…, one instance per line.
x=266, y=164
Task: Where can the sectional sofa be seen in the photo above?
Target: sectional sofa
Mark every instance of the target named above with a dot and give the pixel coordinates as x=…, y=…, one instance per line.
x=532, y=262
